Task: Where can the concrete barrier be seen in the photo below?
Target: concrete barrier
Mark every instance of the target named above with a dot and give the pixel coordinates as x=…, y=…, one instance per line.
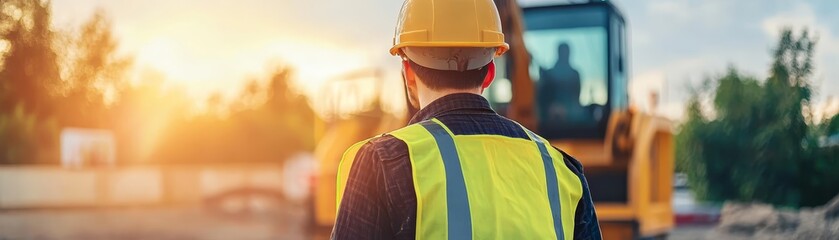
x=57, y=187
x=23, y=187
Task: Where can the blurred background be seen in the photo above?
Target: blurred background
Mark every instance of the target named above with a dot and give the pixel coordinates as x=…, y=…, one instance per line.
x=185, y=119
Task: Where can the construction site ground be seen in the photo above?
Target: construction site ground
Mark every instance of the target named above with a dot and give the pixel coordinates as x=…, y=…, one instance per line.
x=178, y=223
x=162, y=223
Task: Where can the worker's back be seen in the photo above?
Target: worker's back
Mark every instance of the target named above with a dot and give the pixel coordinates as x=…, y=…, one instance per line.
x=479, y=175
x=506, y=185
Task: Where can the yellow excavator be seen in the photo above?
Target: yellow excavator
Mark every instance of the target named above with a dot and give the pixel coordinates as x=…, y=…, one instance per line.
x=566, y=77
x=350, y=110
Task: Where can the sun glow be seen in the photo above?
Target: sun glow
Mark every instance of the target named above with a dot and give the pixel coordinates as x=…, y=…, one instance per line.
x=313, y=63
x=218, y=47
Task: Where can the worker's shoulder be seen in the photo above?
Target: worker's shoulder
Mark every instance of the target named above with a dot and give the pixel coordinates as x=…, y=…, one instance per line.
x=571, y=162
x=391, y=145
x=384, y=147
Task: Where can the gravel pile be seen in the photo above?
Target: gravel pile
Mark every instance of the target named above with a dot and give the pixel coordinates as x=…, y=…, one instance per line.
x=761, y=221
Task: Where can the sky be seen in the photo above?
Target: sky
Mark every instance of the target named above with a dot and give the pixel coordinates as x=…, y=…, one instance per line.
x=676, y=44
x=215, y=45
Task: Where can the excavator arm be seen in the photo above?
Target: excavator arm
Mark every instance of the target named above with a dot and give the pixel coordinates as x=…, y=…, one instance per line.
x=521, y=108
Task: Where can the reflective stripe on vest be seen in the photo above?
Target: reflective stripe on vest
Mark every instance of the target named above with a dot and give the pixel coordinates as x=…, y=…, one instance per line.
x=460, y=222
x=484, y=186
x=552, y=188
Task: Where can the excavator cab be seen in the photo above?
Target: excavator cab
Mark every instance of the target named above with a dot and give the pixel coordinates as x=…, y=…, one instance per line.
x=577, y=68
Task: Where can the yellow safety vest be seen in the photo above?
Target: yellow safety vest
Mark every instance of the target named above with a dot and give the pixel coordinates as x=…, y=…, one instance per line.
x=484, y=186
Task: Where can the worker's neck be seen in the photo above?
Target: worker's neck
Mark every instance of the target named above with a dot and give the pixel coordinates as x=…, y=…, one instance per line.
x=427, y=95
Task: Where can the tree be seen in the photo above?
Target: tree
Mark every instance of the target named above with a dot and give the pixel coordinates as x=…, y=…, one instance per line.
x=832, y=125
x=95, y=74
x=29, y=78
x=25, y=139
x=30, y=72
x=81, y=82
x=45, y=86
x=758, y=146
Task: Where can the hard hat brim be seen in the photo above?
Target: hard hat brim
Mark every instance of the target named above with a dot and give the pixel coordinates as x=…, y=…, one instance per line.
x=450, y=58
x=501, y=48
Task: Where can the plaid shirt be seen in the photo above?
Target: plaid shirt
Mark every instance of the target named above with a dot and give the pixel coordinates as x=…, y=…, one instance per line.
x=379, y=201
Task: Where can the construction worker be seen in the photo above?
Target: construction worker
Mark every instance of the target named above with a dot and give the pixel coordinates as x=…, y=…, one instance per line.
x=459, y=170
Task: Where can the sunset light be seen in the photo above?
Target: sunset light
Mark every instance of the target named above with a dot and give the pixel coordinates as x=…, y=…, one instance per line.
x=221, y=68
x=492, y=119
x=217, y=46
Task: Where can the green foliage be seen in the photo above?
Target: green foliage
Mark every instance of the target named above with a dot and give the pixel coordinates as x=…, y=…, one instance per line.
x=30, y=73
x=92, y=69
x=46, y=84
x=29, y=78
x=26, y=139
x=832, y=126
x=756, y=145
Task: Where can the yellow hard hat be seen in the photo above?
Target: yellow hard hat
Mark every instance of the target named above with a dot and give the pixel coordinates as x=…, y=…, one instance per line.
x=449, y=34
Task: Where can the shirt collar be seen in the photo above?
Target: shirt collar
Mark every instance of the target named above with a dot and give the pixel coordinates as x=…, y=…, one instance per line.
x=458, y=103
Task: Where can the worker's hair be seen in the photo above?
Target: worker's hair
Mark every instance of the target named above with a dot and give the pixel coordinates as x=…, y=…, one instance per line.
x=444, y=79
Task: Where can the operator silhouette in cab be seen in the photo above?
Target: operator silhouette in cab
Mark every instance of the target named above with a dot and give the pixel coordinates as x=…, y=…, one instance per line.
x=559, y=93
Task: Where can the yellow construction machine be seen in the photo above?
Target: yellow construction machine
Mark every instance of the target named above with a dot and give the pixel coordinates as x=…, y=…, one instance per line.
x=350, y=110
x=566, y=77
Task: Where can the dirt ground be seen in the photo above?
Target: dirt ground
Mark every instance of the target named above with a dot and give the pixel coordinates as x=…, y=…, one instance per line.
x=179, y=223
x=694, y=232
x=162, y=223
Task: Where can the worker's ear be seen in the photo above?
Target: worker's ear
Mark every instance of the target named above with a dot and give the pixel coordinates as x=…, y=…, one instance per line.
x=408, y=73
x=410, y=84
x=489, y=77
